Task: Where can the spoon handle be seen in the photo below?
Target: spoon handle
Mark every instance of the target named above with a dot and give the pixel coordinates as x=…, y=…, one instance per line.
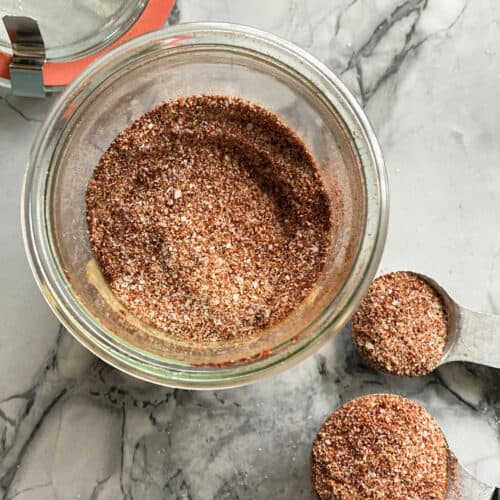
x=462, y=485
x=478, y=338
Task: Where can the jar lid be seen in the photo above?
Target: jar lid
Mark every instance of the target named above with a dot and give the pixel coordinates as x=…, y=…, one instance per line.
x=45, y=45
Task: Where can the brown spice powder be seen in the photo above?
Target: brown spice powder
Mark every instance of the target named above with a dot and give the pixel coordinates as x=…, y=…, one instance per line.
x=401, y=325
x=209, y=219
x=380, y=447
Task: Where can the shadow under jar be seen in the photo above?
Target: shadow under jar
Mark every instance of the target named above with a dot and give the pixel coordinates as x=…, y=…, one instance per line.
x=131, y=80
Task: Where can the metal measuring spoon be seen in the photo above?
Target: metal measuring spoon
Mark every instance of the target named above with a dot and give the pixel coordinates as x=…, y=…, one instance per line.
x=464, y=486
x=472, y=336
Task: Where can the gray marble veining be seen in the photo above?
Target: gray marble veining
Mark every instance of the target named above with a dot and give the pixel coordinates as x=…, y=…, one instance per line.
x=428, y=75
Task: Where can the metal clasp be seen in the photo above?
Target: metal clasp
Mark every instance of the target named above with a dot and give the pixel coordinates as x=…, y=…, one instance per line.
x=28, y=56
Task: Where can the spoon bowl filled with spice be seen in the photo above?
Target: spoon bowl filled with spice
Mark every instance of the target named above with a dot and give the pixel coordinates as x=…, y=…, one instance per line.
x=387, y=446
x=204, y=206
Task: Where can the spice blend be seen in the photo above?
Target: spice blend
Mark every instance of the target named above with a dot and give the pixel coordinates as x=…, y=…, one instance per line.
x=380, y=447
x=401, y=325
x=208, y=218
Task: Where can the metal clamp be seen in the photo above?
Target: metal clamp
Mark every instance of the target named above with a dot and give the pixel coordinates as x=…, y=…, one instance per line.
x=28, y=56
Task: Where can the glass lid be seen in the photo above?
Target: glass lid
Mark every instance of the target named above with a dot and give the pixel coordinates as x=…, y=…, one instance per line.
x=45, y=45
x=73, y=28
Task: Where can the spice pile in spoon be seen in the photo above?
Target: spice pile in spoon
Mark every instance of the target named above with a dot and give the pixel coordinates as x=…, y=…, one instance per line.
x=380, y=446
x=401, y=325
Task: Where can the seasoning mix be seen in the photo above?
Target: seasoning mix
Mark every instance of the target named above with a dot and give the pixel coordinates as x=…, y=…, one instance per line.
x=209, y=219
x=401, y=325
x=380, y=447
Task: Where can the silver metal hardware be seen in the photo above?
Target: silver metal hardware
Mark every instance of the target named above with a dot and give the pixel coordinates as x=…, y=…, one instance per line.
x=28, y=56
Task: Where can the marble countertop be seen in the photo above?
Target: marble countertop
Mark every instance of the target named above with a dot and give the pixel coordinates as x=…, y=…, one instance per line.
x=428, y=75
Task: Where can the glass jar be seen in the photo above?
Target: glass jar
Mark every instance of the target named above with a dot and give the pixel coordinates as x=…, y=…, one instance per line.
x=201, y=58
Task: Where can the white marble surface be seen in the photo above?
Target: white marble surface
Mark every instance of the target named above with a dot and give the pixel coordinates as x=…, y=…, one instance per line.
x=428, y=75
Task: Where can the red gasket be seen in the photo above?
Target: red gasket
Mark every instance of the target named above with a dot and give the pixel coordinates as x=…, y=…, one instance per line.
x=153, y=17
